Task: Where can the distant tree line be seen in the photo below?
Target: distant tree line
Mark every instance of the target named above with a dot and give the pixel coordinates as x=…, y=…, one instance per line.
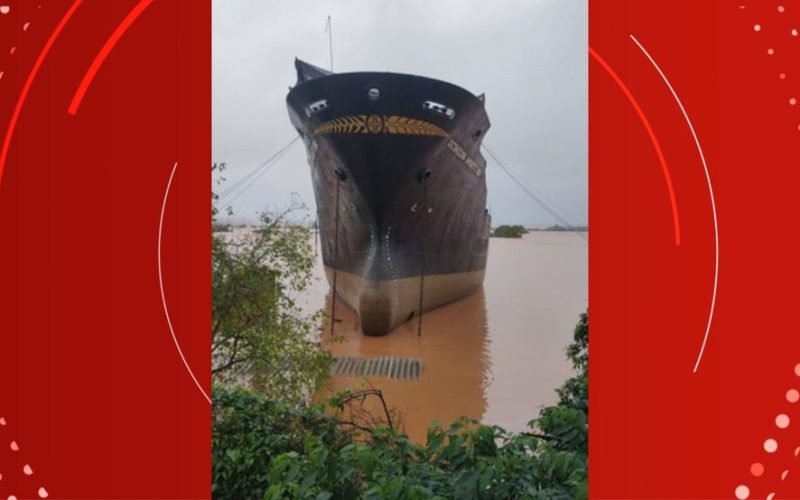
x=559, y=227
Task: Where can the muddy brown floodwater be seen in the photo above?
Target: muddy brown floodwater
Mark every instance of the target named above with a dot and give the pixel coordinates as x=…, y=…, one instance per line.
x=497, y=355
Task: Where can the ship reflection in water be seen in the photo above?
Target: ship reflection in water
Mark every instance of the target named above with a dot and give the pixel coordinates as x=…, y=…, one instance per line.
x=496, y=355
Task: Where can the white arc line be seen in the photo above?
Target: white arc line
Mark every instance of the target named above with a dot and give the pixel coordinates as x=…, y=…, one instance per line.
x=161, y=285
x=710, y=194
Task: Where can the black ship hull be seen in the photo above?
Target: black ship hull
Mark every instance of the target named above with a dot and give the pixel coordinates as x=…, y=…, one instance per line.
x=400, y=189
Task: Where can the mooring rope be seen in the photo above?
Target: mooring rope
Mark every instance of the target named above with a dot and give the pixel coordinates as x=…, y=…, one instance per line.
x=247, y=181
x=422, y=258
x=423, y=179
x=537, y=197
x=340, y=176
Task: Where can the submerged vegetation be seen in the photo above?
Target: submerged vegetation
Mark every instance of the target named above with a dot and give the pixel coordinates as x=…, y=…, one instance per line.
x=515, y=231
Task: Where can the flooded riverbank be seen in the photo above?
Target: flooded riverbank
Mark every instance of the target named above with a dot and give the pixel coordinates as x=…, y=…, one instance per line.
x=497, y=355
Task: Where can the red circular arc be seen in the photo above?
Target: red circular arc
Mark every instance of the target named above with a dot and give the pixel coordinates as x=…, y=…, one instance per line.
x=653, y=139
x=29, y=81
x=100, y=58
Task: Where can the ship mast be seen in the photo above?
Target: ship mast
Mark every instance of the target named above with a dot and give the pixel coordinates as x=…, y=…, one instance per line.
x=329, y=31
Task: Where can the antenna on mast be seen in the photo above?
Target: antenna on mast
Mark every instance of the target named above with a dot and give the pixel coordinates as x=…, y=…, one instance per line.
x=329, y=31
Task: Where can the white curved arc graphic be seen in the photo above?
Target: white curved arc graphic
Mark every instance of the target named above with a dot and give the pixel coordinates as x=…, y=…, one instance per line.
x=710, y=194
x=161, y=285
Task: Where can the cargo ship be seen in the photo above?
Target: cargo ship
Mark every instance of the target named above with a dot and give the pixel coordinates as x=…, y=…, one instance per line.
x=400, y=188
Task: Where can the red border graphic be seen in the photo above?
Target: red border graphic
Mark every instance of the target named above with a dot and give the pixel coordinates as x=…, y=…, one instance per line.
x=96, y=403
x=93, y=395
x=668, y=421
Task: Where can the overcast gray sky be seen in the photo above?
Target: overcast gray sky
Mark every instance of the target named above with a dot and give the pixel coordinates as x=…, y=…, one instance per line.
x=529, y=57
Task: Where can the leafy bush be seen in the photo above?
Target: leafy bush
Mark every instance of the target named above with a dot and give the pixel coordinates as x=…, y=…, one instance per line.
x=575, y=391
x=250, y=431
x=267, y=449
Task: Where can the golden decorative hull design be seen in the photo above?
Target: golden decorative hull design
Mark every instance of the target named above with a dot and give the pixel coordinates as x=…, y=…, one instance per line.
x=374, y=124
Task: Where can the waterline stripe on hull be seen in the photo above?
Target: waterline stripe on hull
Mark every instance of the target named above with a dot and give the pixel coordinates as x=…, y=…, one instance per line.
x=383, y=305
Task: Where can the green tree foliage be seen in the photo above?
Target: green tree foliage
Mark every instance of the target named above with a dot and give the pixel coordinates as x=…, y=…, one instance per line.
x=263, y=448
x=260, y=337
x=251, y=430
x=567, y=422
x=515, y=231
x=266, y=449
x=575, y=391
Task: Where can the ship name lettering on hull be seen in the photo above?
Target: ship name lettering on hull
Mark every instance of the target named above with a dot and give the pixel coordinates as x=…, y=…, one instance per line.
x=462, y=155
